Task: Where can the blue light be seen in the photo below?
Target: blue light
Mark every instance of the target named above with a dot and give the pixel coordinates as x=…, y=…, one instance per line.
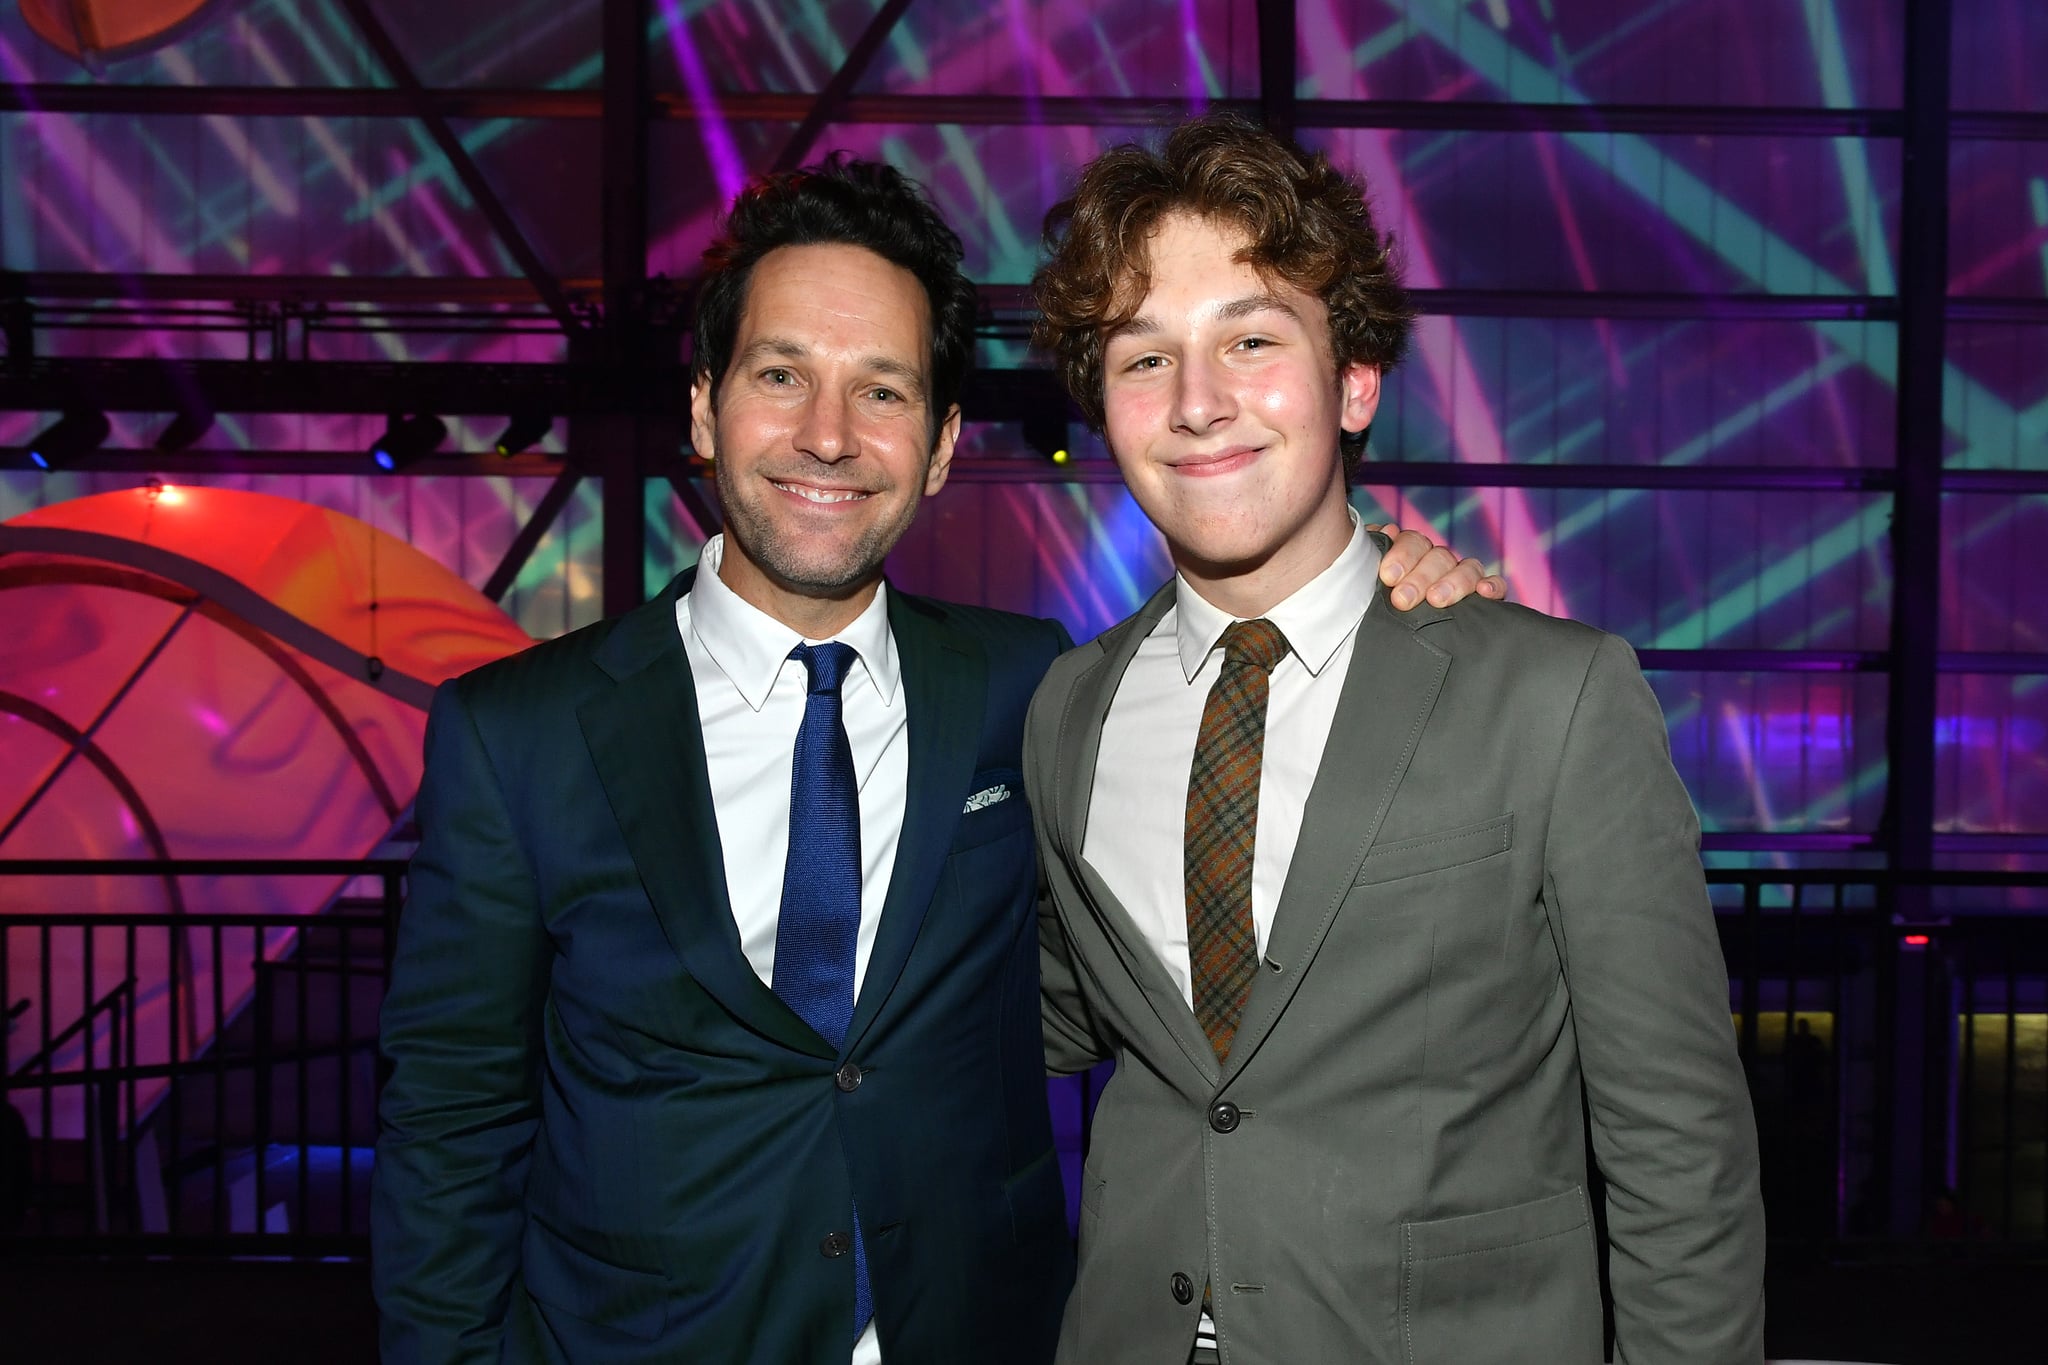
x=38, y=459
x=384, y=460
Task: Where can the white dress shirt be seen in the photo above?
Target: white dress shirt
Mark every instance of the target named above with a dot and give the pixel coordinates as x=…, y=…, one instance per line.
x=1137, y=816
x=750, y=698
x=1137, y=819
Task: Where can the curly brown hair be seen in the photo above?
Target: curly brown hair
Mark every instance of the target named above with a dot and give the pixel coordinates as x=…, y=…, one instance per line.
x=1307, y=224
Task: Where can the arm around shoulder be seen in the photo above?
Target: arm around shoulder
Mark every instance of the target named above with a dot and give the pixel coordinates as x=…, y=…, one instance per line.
x=1672, y=1129
x=1073, y=1040
x=460, y=1029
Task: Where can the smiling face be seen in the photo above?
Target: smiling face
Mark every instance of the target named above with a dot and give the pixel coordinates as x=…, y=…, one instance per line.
x=821, y=432
x=1222, y=403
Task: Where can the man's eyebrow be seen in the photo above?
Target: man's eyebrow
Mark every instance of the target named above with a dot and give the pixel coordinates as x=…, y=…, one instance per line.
x=1265, y=302
x=904, y=374
x=908, y=377
x=762, y=348
x=1143, y=325
x=1236, y=310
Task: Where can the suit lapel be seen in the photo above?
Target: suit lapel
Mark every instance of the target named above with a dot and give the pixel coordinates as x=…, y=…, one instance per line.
x=644, y=736
x=1080, y=742
x=1388, y=695
x=945, y=687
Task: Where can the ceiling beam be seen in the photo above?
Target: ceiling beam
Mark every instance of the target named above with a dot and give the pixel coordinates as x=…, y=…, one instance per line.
x=422, y=107
x=531, y=532
x=1278, y=106
x=794, y=107
x=826, y=107
x=683, y=469
x=1005, y=305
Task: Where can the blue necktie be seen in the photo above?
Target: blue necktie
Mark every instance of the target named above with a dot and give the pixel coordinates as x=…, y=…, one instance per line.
x=819, y=923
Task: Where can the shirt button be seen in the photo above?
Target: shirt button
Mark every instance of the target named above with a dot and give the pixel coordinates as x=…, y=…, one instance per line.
x=1183, y=1288
x=836, y=1244
x=1224, y=1117
x=847, y=1078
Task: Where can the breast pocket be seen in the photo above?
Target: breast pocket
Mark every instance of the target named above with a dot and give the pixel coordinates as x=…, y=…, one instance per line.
x=1388, y=862
x=993, y=809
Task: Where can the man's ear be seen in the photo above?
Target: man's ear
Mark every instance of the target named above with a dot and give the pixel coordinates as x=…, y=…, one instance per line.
x=1361, y=395
x=703, y=423
x=942, y=452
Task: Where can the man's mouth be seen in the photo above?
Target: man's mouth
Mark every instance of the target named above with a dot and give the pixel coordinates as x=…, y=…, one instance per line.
x=821, y=495
x=1215, y=461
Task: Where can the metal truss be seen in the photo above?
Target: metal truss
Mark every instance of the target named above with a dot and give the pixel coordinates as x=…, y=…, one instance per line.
x=265, y=101
x=622, y=387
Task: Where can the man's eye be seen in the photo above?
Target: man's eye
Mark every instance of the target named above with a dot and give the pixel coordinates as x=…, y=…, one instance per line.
x=777, y=377
x=880, y=395
x=1147, y=362
x=1254, y=344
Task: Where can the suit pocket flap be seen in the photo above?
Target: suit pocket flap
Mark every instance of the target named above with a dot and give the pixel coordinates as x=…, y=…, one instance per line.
x=1435, y=852
x=567, y=1277
x=1496, y=1229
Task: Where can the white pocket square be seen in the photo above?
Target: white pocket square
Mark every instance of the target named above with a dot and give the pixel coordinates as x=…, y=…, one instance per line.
x=988, y=796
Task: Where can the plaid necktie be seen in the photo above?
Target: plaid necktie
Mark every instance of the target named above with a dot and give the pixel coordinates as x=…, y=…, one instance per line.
x=819, y=924
x=1222, y=829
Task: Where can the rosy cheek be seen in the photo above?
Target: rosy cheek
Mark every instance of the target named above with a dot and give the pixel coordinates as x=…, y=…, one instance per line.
x=1275, y=399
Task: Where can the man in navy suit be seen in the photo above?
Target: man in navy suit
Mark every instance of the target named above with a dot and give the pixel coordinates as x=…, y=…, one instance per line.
x=714, y=1020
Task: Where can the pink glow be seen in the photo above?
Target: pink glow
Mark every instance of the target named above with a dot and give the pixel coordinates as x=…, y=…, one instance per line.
x=1191, y=53
x=1475, y=431
x=1575, y=242
x=1996, y=261
x=430, y=204
x=726, y=166
x=1063, y=560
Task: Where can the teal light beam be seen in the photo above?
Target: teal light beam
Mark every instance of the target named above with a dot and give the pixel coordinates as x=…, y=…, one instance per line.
x=1736, y=236
x=1781, y=580
x=1851, y=156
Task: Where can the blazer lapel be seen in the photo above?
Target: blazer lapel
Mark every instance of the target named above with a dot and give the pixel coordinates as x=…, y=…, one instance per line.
x=644, y=736
x=1388, y=694
x=945, y=687
x=1080, y=742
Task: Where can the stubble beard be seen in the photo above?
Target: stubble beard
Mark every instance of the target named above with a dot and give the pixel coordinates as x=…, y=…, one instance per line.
x=780, y=553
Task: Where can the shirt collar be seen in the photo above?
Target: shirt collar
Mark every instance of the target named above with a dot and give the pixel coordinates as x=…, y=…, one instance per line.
x=751, y=647
x=1317, y=618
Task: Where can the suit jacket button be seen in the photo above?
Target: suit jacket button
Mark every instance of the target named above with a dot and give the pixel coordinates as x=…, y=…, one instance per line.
x=847, y=1078
x=1183, y=1288
x=1223, y=1118
x=836, y=1244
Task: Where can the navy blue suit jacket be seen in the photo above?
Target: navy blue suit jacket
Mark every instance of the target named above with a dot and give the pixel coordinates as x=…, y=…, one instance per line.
x=604, y=1139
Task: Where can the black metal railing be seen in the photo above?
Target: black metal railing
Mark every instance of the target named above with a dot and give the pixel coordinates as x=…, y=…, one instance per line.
x=222, y=1097
x=213, y=1089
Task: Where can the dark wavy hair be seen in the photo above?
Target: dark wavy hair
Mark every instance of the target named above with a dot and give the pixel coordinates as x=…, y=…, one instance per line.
x=1305, y=223
x=839, y=201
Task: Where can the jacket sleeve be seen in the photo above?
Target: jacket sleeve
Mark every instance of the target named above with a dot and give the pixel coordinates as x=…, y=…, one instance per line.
x=1672, y=1129
x=460, y=1030
x=1073, y=1038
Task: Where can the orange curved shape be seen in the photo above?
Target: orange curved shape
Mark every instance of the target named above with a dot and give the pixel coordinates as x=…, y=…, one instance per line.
x=187, y=676
x=89, y=29
x=366, y=590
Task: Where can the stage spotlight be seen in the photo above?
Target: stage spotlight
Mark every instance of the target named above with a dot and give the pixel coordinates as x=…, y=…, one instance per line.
x=524, y=430
x=1046, y=432
x=70, y=436
x=188, y=426
x=406, y=440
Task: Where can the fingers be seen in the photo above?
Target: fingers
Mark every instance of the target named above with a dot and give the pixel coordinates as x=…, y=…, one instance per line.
x=1414, y=567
